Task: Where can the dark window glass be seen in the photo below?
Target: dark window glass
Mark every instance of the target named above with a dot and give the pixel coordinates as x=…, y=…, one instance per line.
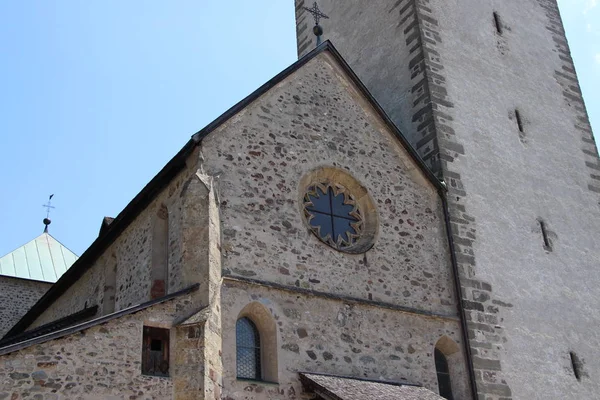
x=323, y=223
x=156, y=345
x=443, y=375
x=248, y=350
x=331, y=217
x=155, y=352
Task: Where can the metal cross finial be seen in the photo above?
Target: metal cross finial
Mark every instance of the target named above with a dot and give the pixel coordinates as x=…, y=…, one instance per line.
x=317, y=14
x=48, y=207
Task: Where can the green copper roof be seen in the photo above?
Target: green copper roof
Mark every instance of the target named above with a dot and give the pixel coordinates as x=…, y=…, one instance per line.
x=42, y=259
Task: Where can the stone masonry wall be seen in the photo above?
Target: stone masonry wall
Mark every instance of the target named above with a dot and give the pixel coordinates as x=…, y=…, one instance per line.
x=467, y=82
x=132, y=254
x=316, y=334
x=316, y=119
x=549, y=307
x=16, y=297
x=384, y=33
x=102, y=362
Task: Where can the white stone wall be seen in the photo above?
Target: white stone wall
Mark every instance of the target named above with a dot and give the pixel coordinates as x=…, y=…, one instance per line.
x=511, y=182
x=526, y=306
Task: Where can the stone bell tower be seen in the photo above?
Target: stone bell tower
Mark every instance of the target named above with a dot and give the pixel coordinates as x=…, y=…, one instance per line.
x=487, y=93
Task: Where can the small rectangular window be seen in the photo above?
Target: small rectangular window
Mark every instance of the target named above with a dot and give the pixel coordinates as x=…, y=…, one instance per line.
x=155, y=351
x=519, y=120
x=547, y=244
x=498, y=23
x=575, y=363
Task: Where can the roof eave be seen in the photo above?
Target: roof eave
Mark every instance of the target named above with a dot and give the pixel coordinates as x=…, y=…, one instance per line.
x=125, y=217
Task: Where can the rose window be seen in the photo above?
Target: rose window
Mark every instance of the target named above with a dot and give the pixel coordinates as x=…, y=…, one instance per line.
x=333, y=215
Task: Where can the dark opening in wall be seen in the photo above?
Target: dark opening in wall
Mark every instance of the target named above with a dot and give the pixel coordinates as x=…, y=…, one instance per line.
x=547, y=244
x=498, y=23
x=248, y=354
x=443, y=375
x=519, y=121
x=576, y=364
x=155, y=351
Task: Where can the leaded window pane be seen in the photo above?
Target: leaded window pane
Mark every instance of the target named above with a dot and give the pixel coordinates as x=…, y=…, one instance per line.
x=320, y=201
x=247, y=350
x=338, y=208
x=342, y=227
x=323, y=223
x=331, y=216
x=443, y=375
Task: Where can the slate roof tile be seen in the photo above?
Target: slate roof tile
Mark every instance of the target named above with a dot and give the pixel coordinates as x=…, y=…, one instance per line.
x=343, y=388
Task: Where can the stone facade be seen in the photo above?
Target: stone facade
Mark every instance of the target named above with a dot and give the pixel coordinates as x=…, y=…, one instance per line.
x=16, y=297
x=102, y=362
x=132, y=255
x=237, y=228
x=317, y=333
x=312, y=121
x=315, y=120
x=453, y=78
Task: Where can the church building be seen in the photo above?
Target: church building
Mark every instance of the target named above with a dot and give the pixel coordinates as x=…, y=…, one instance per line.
x=409, y=211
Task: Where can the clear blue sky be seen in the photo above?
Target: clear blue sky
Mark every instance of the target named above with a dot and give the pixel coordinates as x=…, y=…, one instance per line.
x=98, y=95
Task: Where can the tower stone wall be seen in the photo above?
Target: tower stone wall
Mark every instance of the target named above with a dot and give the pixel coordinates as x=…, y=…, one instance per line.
x=486, y=91
x=16, y=297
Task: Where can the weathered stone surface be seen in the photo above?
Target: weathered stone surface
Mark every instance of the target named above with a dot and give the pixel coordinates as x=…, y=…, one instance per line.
x=16, y=297
x=132, y=254
x=385, y=344
x=100, y=362
x=315, y=106
x=452, y=83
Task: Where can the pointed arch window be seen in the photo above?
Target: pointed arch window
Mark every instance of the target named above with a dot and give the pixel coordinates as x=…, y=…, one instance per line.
x=443, y=375
x=248, y=350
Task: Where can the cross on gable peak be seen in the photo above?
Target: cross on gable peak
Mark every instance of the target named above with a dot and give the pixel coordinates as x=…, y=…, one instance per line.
x=317, y=14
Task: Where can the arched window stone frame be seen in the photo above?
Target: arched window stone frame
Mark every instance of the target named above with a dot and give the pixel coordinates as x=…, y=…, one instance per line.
x=267, y=329
x=456, y=366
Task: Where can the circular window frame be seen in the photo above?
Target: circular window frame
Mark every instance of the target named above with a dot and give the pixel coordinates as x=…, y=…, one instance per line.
x=341, y=182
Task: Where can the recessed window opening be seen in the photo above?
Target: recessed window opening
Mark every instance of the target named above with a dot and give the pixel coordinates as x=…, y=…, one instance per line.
x=545, y=235
x=519, y=121
x=155, y=351
x=575, y=364
x=248, y=354
x=498, y=23
x=443, y=375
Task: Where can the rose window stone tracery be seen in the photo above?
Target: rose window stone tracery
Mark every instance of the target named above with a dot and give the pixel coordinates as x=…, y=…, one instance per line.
x=333, y=215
